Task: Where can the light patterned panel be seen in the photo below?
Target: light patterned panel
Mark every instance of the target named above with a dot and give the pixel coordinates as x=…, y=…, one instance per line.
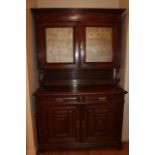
x=98, y=44
x=59, y=45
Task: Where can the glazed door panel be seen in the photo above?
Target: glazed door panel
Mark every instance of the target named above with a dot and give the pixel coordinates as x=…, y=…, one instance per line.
x=98, y=44
x=59, y=45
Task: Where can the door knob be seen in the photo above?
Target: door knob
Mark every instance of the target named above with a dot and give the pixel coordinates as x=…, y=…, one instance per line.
x=83, y=124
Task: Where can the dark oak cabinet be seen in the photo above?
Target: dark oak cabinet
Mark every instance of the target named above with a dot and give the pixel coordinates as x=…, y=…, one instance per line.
x=79, y=102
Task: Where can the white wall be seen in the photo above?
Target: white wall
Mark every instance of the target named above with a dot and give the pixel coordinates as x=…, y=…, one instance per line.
x=78, y=3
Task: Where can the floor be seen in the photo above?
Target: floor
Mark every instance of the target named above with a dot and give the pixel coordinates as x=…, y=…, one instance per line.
x=124, y=151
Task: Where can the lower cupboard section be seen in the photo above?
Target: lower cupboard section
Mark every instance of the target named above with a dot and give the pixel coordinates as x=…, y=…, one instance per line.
x=74, y=125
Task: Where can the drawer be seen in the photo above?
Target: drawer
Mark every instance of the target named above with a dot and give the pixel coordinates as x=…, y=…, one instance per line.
x=103, y=97
x=58, y=99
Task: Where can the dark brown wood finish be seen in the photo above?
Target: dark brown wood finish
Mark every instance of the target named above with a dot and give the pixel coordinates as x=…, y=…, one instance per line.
x=124, y=151
x=58, y=123
x=79, y=104
x=81, y=118
x=78, y=77
x=79, y=19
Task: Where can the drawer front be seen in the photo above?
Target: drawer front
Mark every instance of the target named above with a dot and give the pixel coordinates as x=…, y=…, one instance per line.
x=58, y=99
x=103, y=98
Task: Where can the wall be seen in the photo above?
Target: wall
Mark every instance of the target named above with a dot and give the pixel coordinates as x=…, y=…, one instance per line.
x=31, y=48
x=30, y=140
x=124, y=72
x=78, y=3
x=31, y=79
x=124, y=4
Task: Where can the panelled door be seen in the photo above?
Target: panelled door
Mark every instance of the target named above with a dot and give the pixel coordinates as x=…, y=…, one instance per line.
x=102, y=122
x=58, y=124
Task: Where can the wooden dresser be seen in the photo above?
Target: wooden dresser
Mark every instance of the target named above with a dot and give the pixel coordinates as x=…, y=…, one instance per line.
x=79, y=102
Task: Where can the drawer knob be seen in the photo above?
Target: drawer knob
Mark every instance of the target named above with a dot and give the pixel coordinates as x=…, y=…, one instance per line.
x=60, y=99
x=102, y=98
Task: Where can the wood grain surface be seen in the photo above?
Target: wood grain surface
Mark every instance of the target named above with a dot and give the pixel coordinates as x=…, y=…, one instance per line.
x=124, y=151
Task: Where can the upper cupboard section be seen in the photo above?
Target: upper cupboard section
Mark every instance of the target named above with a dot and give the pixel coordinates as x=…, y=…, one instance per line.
x=78, y=38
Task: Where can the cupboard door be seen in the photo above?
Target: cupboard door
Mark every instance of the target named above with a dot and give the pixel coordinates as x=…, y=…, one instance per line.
x=99, y=45
x=58, y=45
x=57, y=125
x=102, y=122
